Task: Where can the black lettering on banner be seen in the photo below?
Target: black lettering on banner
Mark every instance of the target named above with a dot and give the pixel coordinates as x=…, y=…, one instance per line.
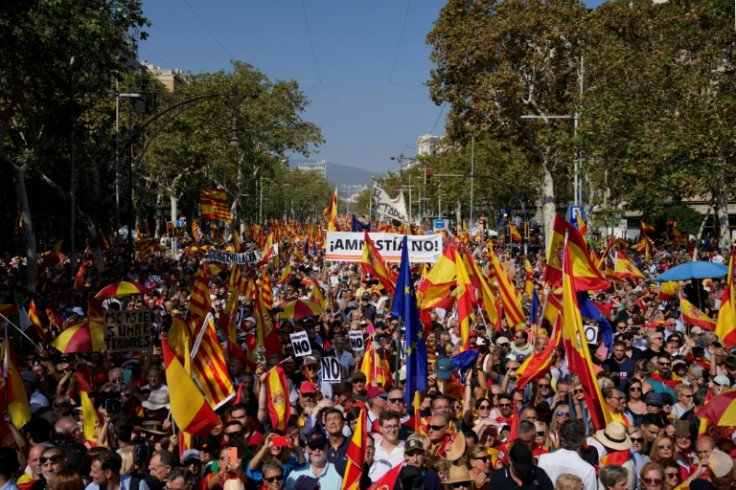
x=300, y=343
x=330, y=370
x=128, y=330
x=356, y=340
x=591, y=334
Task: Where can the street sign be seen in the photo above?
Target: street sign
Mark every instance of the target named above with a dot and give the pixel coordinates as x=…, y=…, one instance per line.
x=572, y=214
x=439, y=224
x=180, y=223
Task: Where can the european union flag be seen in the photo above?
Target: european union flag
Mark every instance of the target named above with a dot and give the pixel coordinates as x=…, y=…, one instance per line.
x=357, y=225
x=534, y=309
x=404, y=306
x=589, y=310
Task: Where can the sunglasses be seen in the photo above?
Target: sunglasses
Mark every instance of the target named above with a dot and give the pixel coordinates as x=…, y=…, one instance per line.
x=638, y=440
x=563, y=414
x=437, y=427
x=672, y=474
x=273, y=478
x=541, y=433
x=482, y=458
x=396, y=400
x=577, y=392
x=462, y=484
x=320, y=447
x=484, y=407
x=545, y=385
x=652, y=481
x=52, y=459
x=635, y=388
x=504, y=404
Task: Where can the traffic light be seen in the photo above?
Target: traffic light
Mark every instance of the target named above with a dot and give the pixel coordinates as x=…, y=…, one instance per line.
x=670, y=224
x=427, y=176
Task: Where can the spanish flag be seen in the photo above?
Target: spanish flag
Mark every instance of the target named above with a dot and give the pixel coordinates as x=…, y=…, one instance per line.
x=625, y=268
x=285, y=275
x=537, y=365
x=510, y=297
x=483, y=291
x=79, y=278
x=578, y=355
x=331, y=212
x=514, y=233
x=646, y=227
x=726, y=324
x=279, y=409
x=374, y=265
x=587, y=276
x=36, y=320
x=465, y=294
x=580, y=224
x=439, y=282
x=693, y=316
x=90, y=418
x=81, y=336
x=214, y=204
x=189, y=408
x=13, y=397
x=356, y=456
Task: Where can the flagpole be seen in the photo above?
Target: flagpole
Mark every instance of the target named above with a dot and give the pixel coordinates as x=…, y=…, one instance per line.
x=370, y=203
x=6, y=363
x=7, y=320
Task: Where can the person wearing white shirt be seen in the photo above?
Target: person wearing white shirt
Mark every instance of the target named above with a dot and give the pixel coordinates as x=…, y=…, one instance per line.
x=567, y=459
x=389, y=448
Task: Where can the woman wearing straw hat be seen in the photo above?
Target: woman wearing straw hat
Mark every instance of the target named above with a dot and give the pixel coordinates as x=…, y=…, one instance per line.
x=616, y=449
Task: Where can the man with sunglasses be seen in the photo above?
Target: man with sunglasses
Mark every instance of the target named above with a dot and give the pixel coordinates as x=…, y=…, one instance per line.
x=273, y=475
x=396, y=404
x=52, y=461
x=521, y=347
x=317, y=465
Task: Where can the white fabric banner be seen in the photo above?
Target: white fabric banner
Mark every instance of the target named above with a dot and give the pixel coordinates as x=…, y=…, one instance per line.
x=386, y=207
x=348, y=246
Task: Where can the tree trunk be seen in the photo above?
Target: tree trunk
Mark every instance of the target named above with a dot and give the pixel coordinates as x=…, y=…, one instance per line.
x=548, y=203
x=94, y=242
x=458, y=215
x=19, y=181
x=725, y=230
x=699, y=236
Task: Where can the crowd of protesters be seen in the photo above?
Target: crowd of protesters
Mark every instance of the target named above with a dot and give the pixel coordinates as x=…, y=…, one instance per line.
x=657, y=374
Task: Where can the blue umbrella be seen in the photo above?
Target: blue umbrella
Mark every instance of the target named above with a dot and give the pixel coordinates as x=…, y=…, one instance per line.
x=693, y=270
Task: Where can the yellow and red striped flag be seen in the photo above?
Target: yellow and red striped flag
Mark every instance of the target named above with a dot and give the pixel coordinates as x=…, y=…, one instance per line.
x=677, y=236
x=692, y=315
x=189, y=409
x=465, y=294
x=580, y=224
x=437, y=285
x=510, y=297
x=483, y=292
x=356, y=456
x=529, y=279
x=208, y=364
x=214, y=203
x=587, y=276
x=13, y=397
x=196, y=233
x=576, y=347
x=317, y=295
x=36, y=320
x=514, y=233
x=199, y=302
x=373, y=264
x=279, y=408
x=726, y=322
x=331, y=212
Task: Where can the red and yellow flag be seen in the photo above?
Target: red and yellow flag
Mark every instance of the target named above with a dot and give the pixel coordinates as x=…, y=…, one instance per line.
x=537, y=365
x=465, y=294
x=209, y=366
x=646, y=227
x=80, y=336
x=374, y=265
x=91, y=420
x=331, y=212
x=356, y=456
x=576, y=348
x=514, y=233
x=189, y=409
x=726, y=323
x=279, y=408
x=214, y=204
x=438, y=283
x=36, y=320
x=692, y=315
x=79, y=278
x=484, y=295
x=625, y=267
x=587, y=276
x=582, y=227
x=510, y=297
x=13, y=397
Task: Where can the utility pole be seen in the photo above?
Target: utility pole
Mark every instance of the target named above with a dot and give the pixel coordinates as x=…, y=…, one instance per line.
x=472, y=175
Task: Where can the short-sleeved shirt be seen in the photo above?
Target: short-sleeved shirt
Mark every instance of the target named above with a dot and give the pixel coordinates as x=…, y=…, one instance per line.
x=329, y=478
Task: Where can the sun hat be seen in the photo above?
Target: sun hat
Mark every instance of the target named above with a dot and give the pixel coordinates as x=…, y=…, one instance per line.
x=614, y=436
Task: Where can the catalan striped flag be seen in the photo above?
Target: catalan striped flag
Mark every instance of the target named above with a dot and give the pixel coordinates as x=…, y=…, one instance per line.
x=510, y=297
x=355, y=455
x=208, y=364
x=189, y=409
x=587, y=275
x=726, y=324
x=576, y=348
x=196, y=233
x=483, y=292
x=277, y=402
x=199, y=302
x=13, y=397
x=373, y=264
x=214, y=203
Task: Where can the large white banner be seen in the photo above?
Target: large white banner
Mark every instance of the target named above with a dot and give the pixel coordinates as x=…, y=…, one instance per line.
x=348, y=246
x=385, y=207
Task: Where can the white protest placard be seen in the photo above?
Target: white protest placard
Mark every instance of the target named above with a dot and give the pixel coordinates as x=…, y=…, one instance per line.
x=348, y=246
x=591, y=334
x=331, y=372
x=356, y=340
x=301, y=344
x=128, y=330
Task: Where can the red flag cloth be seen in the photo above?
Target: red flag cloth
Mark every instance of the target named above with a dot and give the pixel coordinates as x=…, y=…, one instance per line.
x=356, y=456
x=726, y=324
x=214, y=204
x=387, y=481
x=279, y=409
x=587, y=275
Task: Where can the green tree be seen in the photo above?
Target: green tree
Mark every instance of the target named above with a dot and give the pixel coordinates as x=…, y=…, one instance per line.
x=52, y=51
x=500, y=60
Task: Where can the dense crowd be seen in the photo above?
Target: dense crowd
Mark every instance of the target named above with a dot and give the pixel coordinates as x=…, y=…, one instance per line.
x=472, y=430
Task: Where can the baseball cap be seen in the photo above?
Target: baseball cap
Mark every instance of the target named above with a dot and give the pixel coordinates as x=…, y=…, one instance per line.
x=307, y=387
x=696, y=330
x=444, y=368
x=317, y=439
x=502, y=340
x=309, y=360
x=190, y=455
x=374, y=392
x=654, y=400
x=358, y=377
x=722, y=380
x=414, y=444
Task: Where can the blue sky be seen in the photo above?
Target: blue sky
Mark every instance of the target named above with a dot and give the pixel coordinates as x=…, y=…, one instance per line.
x=363, y=64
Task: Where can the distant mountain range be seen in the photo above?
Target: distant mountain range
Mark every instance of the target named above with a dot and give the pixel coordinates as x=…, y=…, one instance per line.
x=349, y=180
